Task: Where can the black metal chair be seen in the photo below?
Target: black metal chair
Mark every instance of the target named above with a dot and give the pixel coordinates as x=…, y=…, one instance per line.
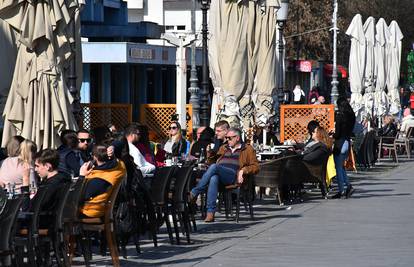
x=159, y=193
x=29, y=237
x=8, y=221
x=55, y=234
x=179, y=201
x=71, y=216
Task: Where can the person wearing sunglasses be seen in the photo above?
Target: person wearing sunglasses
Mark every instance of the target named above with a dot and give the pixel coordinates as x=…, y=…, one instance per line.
x=236, y=160
x=85, y=145
x=176, y=144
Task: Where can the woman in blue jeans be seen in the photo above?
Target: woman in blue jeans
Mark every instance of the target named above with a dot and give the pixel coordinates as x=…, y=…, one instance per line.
x=344, y=125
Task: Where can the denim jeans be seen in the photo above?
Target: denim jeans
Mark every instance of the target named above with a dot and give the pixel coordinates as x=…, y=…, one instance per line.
x=339, y=159
x=211, y=179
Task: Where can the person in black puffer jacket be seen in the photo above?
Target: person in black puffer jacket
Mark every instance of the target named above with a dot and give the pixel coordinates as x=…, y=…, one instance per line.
x=344, y=125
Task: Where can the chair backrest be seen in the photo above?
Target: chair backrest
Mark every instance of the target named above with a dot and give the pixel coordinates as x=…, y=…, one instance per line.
x=410, y=132
x=181, y=175
x=160, y=183
x=8, y=222
x=63, y=196
x=36, y=207
x=71, y=210
x=109, y=204
x=270, y=172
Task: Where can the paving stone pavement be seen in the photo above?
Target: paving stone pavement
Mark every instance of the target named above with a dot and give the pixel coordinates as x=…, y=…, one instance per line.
x=373, y=228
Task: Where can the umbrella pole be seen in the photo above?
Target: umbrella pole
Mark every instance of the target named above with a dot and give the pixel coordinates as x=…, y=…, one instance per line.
x=72, y=77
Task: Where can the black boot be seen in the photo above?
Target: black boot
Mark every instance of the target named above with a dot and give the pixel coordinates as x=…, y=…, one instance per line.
x=337, y=195
x=349, y=191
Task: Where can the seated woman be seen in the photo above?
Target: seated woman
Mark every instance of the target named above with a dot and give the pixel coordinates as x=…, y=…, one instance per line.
x=315, y=153
x=101, y=177
x=389, y=129
x=206, y=138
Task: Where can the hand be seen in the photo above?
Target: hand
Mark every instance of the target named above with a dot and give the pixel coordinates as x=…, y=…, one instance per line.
x=110, y=151
x=26, y=174
x=85, y=169
x=240, y=178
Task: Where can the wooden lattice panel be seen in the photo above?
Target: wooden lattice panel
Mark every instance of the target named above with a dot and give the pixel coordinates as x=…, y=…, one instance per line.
x=158, y=118
x=295, y=118
x=94, y=115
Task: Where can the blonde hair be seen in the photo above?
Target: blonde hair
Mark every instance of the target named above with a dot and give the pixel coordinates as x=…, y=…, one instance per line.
x=179, y=134
x=27, y=151
x=323, y=137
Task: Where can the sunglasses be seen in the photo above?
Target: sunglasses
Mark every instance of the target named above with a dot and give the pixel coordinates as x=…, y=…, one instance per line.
x=230, y=137
x=173, y=127
x=84, y=140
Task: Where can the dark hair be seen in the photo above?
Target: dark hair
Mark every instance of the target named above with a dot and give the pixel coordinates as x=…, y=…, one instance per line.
x=132, y=128
x=13, y=145
x=144, y=136
x=222, y=124
x=49, y=156
x=83, y=131
x=343, y=105
x=101, y=134
x=100, y=152
x=312, y=125
x=207, y=134
x=69, y=138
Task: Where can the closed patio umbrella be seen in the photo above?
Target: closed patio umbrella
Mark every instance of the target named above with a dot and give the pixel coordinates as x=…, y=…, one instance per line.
x=357, y=63
x=228, y=56
x=370, y=71
x=394, y=62
x=381, y=37
x=38, y=103
x=264, y=66
x=8, y=53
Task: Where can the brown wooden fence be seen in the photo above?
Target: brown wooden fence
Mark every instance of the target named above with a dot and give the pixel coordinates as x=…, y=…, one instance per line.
x=158, y=118
x=295, y=118
x=95, y=114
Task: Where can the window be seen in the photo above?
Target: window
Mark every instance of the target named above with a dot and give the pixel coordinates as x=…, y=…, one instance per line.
x=169, y=28
x=181, y=27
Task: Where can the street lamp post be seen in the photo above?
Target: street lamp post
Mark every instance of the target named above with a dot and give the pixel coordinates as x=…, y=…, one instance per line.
x=194, y=90
x=282, y=15
x=204, y=109
x=334, y=83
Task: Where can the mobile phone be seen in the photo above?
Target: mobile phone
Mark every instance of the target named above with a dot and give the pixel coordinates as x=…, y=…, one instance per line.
x=91, y=164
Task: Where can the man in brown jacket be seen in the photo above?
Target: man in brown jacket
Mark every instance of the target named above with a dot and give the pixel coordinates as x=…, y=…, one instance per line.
x=235, y=160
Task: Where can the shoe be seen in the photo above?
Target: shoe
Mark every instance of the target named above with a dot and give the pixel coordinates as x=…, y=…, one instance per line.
x=349, y=191
x=337, y=195
x=209, y=217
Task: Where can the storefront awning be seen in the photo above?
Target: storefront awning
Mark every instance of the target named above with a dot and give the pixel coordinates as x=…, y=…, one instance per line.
x=342, y=71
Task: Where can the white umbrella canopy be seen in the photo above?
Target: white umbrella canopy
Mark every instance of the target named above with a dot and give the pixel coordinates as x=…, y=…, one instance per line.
x=381, y=37
x=215, y=21
x=370, y=70
x=230, y=51
x=394, y=62
x=357, y=63
x=262, y=63
x=38, y=104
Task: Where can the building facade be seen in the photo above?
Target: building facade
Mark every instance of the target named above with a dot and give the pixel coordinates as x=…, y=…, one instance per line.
x=124, y=58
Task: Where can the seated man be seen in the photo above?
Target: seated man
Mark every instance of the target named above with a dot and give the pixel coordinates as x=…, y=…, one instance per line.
x=235, y=160
x=407, y=121
x=101, y=177
x=46, y=166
